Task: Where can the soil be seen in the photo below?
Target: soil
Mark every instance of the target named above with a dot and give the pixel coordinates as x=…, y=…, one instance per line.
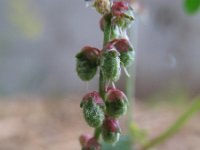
x=49, y=124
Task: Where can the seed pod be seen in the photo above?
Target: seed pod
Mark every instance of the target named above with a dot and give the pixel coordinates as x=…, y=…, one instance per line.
x=111, y=130
x=102, y=6
x=122, y=14
x=127, y=54
x=83, y=139
x=110, y=65
x=127, y=58
x=87, y=62
x=116, y=103
x=92, y=144
x=93, y=109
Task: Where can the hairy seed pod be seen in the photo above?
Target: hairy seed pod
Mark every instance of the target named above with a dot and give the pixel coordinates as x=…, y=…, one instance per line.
x=122, y=14
x=116, y=103
x=87, y=63
x=127, y=58
x=93, y=109
x=110, y=64
x=127, y=54
x=92, y=144
x=111, y=130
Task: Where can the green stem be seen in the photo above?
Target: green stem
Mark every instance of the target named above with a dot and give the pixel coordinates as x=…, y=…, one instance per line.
x=97, y=133
x=194, y=108
x=102, y=81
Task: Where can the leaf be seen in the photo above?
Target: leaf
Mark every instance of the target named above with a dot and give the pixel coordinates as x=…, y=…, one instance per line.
x=124, y=143
x=192, y=6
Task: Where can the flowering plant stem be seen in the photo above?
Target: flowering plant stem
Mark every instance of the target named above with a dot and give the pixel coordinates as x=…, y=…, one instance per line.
x=102, y=81
x=194, y=108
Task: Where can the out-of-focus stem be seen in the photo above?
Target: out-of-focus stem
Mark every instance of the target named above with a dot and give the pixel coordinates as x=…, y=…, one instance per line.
x=194, y=108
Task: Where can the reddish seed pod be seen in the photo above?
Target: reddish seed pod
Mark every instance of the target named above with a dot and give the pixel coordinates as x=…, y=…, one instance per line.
x=116, y=103
x=93, y=109
x=90, y=53
x=95, y=97
x=123, y=45
x=122, y=14
x=92, y=144
x=87, y=62
x=118, y=8
x=111, y=130
x=127, y=54
x=84, y=138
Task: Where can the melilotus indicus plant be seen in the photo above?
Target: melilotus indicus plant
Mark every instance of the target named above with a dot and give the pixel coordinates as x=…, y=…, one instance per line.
x=101, y=109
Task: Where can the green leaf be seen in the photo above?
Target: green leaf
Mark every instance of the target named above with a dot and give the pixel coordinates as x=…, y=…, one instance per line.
x=192, y=6
x=125, y=143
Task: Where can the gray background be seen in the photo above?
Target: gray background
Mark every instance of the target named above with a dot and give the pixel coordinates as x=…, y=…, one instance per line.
x=167, y=46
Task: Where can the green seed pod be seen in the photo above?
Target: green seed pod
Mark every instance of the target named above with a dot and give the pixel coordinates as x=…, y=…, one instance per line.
x=110, y=65
x=127, y=58
x=124, y=47
x=110, y=130
x=87, y=63
x=116, y=103
x=122, y=14
x=93, y=109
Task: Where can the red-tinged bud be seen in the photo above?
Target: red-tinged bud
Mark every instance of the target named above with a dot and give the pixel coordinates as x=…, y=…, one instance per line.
x=127, y=55
x=111, y=130
x=123, y=45
x=84, y=138
x=118, y=8
x=89, y=53
x=87, y=62
x=92, y=144
x=93, y=109
x=116, y=103
x=122, y=13
x=95, y=97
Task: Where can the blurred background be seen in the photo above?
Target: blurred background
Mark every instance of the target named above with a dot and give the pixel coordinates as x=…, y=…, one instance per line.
x=38, y=43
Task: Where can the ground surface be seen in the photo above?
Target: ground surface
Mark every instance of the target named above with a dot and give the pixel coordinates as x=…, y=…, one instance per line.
x=43, y=124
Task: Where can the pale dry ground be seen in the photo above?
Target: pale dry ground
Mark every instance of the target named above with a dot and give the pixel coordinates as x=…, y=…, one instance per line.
x=43, y=124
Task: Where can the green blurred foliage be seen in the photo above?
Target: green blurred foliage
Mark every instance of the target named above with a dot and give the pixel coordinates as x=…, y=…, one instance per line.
x=192, y=6
x=138, y=135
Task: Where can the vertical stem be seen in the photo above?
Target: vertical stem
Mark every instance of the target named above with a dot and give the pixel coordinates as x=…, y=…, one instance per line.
x=102, y=81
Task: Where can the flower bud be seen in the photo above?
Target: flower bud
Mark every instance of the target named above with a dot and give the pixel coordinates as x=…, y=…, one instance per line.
x=84, y=138
x=111, y=130
x=93, y=109
x=92, y=144
x=110, y=64
x=127, y=55
x=102, y=6
x=116, y=103
x=87, y=62
x=122, y=13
